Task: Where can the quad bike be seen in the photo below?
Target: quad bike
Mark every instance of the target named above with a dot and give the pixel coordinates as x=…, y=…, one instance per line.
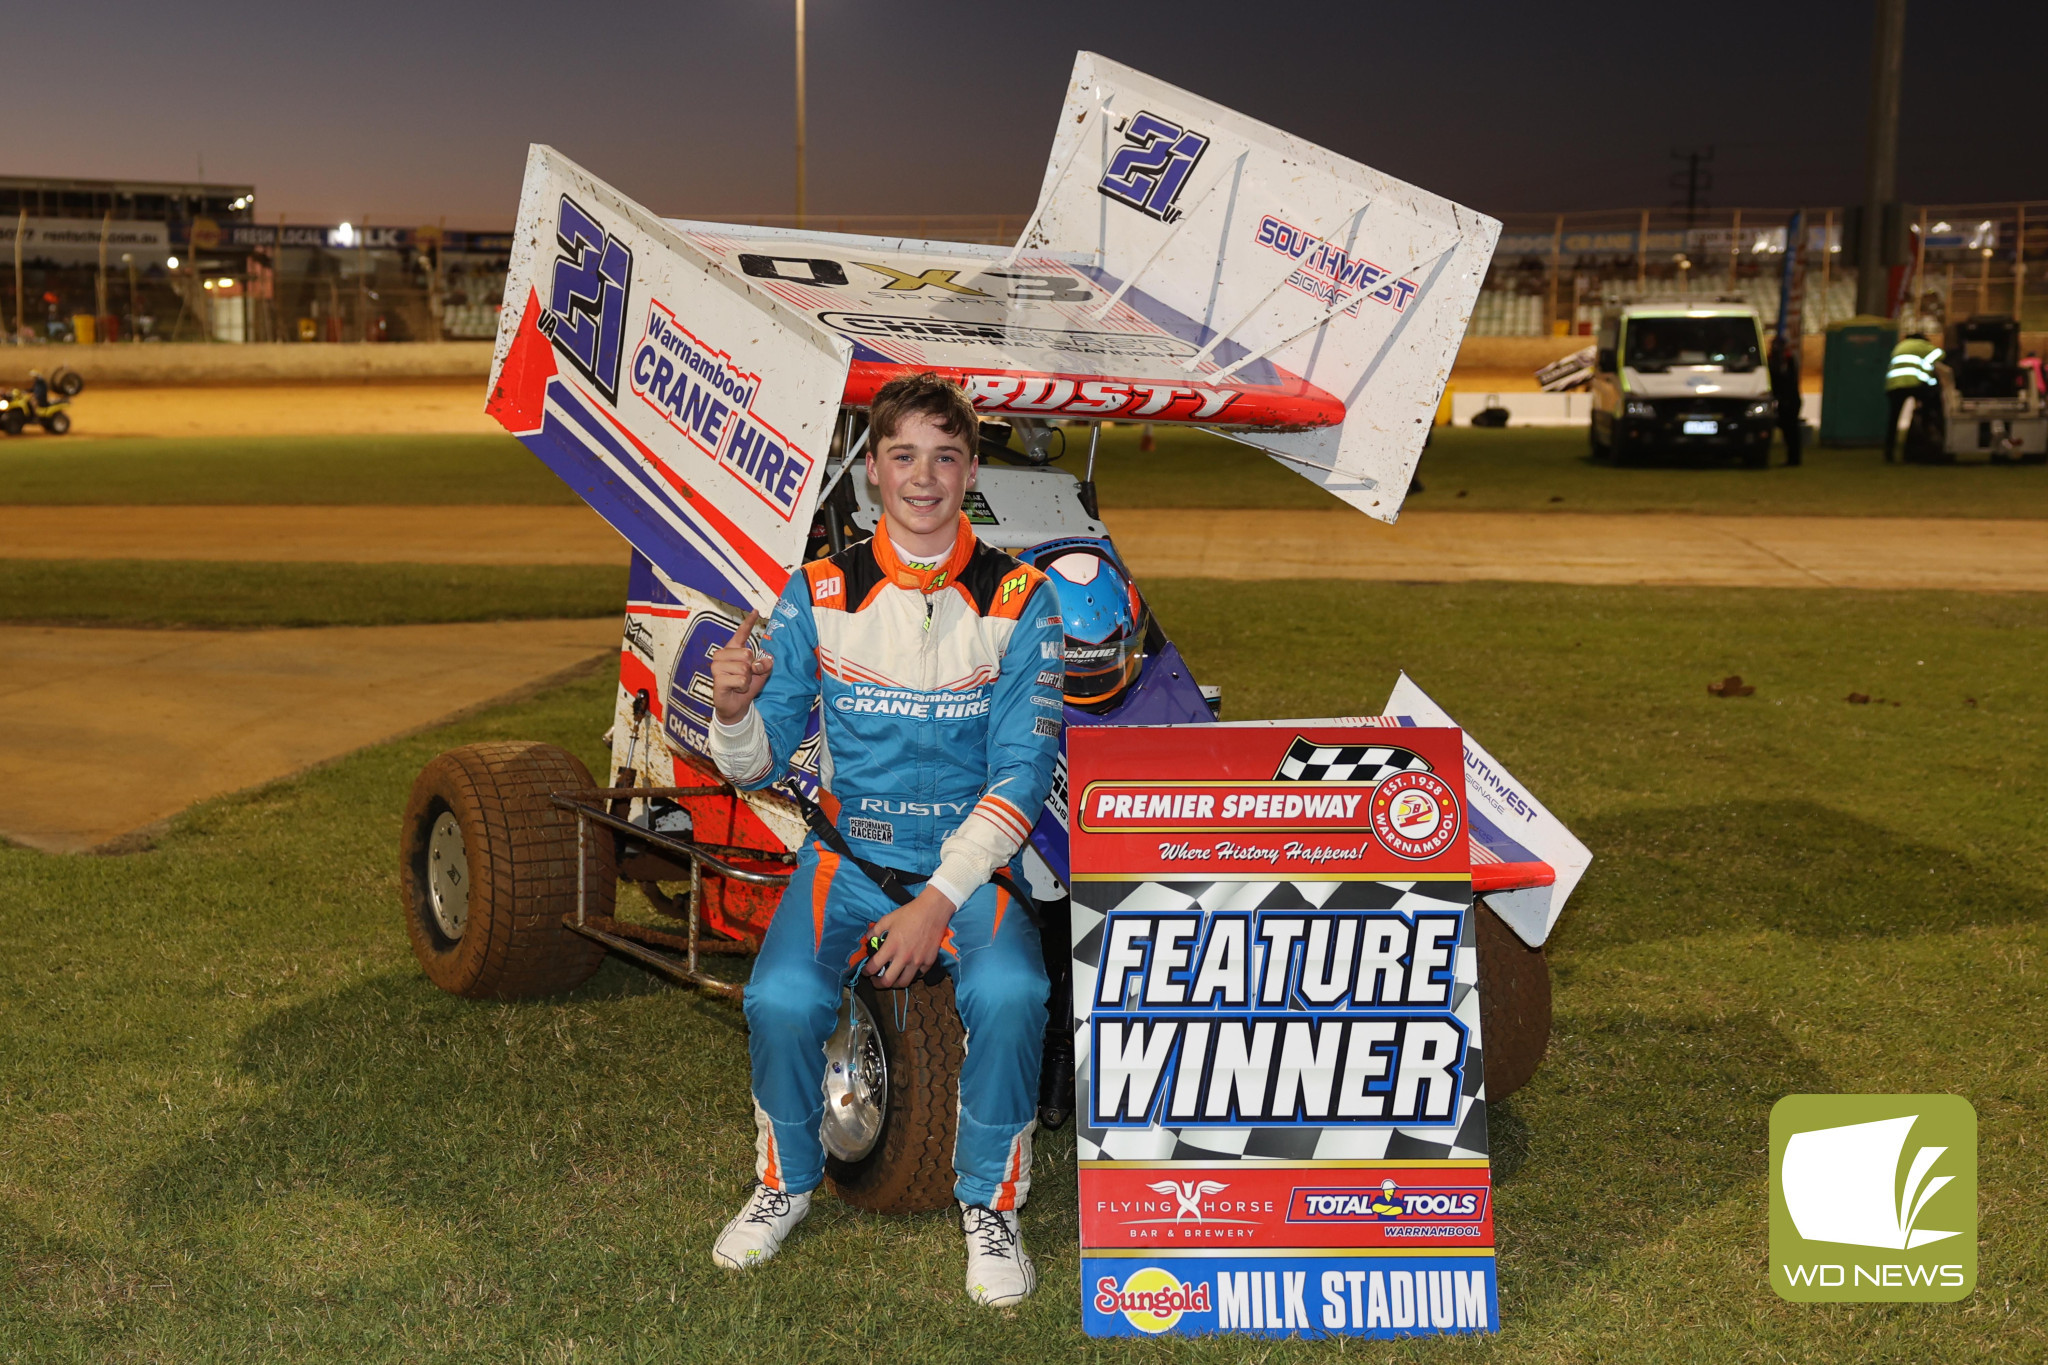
x=46, y=402
x=704, y=386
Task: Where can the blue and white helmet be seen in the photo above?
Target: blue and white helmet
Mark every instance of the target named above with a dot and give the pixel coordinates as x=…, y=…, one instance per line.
x=1104, y=618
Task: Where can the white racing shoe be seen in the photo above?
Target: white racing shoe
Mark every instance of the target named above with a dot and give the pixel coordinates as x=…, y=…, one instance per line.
x=755, y=1234
x=998, y=1272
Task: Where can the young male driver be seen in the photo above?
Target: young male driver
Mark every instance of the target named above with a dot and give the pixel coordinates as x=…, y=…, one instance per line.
x=939, y=661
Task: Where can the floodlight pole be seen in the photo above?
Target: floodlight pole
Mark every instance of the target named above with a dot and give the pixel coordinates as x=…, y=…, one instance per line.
x=799, y=113
x=1881, y=168
x=20, y=318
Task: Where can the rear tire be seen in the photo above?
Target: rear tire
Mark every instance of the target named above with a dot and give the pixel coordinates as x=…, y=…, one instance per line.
x=66, y=381
x=1514, y=1005
x=910, y=1169
x=487, y=867
x=57, y=423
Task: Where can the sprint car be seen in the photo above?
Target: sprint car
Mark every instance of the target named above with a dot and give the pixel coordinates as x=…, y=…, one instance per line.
x=703, y=387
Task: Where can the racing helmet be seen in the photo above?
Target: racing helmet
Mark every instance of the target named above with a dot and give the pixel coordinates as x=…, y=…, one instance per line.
x=1105, y=619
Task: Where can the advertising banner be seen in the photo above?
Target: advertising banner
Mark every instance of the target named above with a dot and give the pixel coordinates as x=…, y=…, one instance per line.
x=1281, y=1100
x=76, y=241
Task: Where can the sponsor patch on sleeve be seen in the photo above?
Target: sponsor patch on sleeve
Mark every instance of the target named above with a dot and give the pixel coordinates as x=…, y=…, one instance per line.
x=1045, y=621
x=1039, y=699
x=1046, y=726
x=1051, y=679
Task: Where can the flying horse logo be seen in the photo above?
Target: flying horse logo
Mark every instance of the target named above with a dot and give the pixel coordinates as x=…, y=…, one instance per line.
x=1188, y=1194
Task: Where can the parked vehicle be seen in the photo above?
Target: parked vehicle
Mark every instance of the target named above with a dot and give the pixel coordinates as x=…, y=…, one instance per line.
x=1989, y=406
x=1684, y=378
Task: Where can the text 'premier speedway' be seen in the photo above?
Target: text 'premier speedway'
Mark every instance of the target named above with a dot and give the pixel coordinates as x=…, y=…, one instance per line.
x=1138, y=807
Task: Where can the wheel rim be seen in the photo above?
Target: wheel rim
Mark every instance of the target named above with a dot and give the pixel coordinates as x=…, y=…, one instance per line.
x=856, y=1083
x=448, y=876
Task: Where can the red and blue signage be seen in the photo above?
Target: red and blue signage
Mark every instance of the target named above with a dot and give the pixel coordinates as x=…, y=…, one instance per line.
x=1281, y=1110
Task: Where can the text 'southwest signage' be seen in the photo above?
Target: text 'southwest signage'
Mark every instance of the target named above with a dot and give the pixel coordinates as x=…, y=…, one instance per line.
x=1277, y=1032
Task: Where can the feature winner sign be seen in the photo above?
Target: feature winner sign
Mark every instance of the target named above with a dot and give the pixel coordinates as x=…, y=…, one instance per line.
x=1282, y=1125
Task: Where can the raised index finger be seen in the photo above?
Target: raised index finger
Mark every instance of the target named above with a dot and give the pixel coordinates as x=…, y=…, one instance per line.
x=744, y=636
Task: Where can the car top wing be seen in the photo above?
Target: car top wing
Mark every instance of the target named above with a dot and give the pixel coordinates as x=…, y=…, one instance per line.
x=1184, y=264
x=1281, y=253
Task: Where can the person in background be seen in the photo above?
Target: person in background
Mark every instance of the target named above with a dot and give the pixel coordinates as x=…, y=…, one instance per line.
x=1784, y=368
x=1911, y=376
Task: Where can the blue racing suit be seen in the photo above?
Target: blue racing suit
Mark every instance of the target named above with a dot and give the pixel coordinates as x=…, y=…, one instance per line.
x=941, y=695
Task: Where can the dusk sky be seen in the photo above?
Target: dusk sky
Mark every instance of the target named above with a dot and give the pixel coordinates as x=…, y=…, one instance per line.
x=412, y=112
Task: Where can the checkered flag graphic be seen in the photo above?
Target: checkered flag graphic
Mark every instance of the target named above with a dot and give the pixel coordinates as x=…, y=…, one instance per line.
x=1465, y=1138
x=1308, y=761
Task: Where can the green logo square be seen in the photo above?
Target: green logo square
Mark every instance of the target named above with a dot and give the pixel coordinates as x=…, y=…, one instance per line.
x=1873, y=1198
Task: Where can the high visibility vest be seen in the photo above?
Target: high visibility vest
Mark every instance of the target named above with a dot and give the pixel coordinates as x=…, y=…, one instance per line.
x=1912, y=364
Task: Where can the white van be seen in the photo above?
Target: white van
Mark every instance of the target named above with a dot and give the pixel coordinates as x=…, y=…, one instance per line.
x=1681, y=377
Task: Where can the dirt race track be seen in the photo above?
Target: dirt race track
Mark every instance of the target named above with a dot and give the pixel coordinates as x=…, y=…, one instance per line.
x=196, y=713
x=281, y=410
x=1543, y=547
x=1570, y=547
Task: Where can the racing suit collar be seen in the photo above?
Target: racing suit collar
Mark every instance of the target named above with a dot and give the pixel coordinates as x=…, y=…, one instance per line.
x=924, y=580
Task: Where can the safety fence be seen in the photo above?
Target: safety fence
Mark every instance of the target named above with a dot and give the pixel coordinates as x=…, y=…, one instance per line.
x=1553, y=274
x=236, y=279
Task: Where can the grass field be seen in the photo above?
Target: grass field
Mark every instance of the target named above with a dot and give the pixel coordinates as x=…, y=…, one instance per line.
x=237, y=1123
x=345, y=470
x=1531, y=469
x=174, y=592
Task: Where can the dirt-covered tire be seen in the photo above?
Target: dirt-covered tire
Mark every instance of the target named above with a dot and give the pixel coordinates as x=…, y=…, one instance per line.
x=1514, y=1005
x=67, y=381
x=910, y=1169
x=487, y=868
x=57, y=423
x=13, y=421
